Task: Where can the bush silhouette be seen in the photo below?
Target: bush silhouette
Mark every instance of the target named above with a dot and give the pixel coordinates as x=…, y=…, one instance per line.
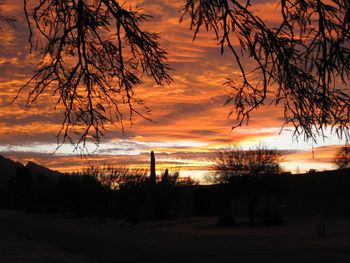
x=112, y=191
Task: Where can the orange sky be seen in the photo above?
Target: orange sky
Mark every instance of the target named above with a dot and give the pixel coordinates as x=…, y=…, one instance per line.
x=190, y=121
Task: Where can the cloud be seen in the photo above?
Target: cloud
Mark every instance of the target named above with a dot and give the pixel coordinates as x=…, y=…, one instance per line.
x=189, y=118
x=184, y=160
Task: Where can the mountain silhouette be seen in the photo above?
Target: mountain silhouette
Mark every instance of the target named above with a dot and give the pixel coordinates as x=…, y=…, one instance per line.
x=38, y=170
x=8, y=168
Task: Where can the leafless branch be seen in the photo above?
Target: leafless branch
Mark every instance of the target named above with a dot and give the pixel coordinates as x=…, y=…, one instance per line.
x=304, y=61
x=93, y=54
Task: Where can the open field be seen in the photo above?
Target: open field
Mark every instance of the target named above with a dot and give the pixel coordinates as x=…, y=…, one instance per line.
x=51, y=238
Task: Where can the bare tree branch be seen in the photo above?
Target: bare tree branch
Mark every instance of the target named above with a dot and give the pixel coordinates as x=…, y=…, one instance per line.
x=304, y=61
x=93, y=55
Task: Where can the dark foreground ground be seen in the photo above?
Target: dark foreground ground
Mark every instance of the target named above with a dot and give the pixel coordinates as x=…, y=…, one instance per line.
x=49, y=238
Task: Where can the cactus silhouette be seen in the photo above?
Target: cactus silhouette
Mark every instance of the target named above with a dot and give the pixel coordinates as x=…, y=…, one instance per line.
x=153, y=168
x=165, y=177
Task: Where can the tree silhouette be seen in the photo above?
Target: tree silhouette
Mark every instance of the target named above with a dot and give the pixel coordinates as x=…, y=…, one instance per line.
x=249, y=175
x=302, y=62
x=342, y=157
x=256, y=162
x=93, y=55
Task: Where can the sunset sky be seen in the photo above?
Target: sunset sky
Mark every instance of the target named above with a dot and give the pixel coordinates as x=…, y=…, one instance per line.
x=190, y=121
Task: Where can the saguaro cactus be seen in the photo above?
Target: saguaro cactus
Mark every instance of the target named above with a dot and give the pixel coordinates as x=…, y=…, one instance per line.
x=153, y=168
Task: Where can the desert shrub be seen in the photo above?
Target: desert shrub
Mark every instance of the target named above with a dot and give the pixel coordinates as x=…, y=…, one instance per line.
x=112, y=191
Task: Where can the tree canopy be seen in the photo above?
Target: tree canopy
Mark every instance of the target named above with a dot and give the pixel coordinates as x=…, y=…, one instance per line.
x=255, y=162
